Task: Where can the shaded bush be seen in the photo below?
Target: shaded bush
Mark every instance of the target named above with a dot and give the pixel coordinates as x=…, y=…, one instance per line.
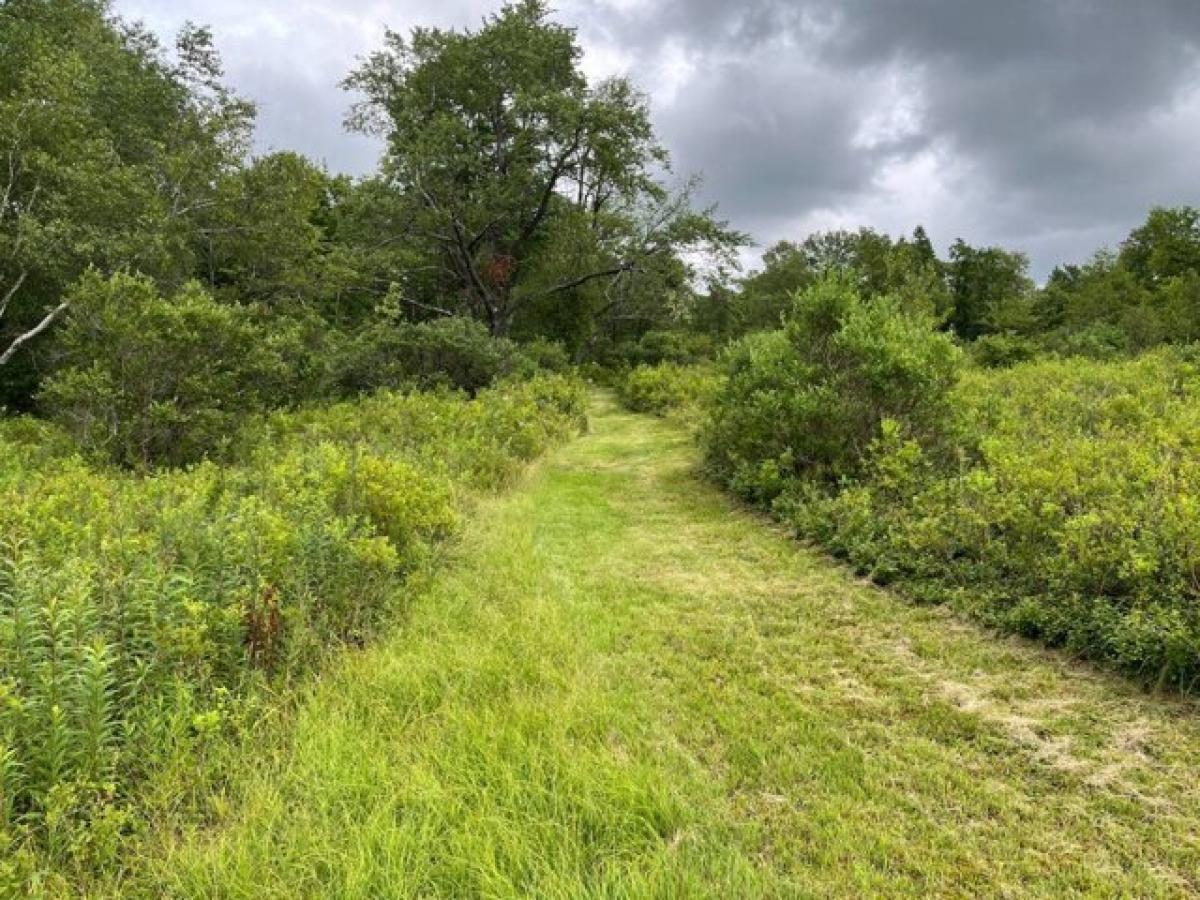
x=545, y=356
x=1073, y=520
x=151, y=380
x=457, y=353
x=667, y=388
x=1059, y=500
x=679, y=347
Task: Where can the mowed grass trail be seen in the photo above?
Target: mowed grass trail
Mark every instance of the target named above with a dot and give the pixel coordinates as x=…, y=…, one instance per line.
x=626, y=686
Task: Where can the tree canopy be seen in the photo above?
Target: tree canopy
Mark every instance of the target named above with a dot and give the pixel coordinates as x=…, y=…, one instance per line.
x=518, y=181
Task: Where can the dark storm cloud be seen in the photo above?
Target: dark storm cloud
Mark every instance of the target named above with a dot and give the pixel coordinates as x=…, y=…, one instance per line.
x=1070, y=117
x=1049, y=126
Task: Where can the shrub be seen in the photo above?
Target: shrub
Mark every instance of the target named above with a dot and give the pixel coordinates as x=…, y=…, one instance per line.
x=678, y=347
x=668, y=388
x=138, y=613
x=808, y=402
x=997, y=351
x=1072, y=516
x=546, y=356
x=150, y=380
x=455, y=352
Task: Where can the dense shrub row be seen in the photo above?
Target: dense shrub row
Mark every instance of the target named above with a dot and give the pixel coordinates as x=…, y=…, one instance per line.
x=147, y=379
x=449, y=352
x=134, y=610
x=1057, y=498
x=1072, y=516
x=655, y=347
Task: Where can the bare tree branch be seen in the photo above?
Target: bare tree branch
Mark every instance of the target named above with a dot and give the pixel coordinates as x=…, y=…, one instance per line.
x=584, y=279
x=11, y=292
x=33, y=332
x=428, y=307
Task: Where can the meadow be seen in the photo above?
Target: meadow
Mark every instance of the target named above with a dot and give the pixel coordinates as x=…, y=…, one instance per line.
x=145, y=617
x=477, y=525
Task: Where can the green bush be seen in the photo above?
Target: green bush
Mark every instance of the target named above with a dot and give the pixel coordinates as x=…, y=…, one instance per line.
x=1074, y=519
x=668, y=388
x=137, y=613
x=546, y=356
x=809, y=401
x=996, y=351
x=458, y=353
x=1059, y=498
x=149, y=380
x=679, y=347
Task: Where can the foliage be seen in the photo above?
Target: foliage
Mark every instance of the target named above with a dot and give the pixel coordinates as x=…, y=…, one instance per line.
x=263, y=241
x=1165, y=246
x=1106, y=307
x=528, y=186
x=112, y=150
x=454, y=352
x=907, y=269
x=982, y=280
x=1060, y=500
x=136, y=610
x=148, y=380
x=667, y=388
x=679, y=347
x=810, y=400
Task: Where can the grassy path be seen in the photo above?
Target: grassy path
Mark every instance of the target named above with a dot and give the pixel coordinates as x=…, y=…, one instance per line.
x=626, y=687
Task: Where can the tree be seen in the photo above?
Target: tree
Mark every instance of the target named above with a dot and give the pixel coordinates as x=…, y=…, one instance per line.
x=982, y=279
x=1166, y=246
x=263, y=240
x=107, y=152
x=766, y=294
x=518, y=180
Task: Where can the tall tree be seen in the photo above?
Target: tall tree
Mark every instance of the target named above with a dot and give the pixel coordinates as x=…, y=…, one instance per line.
x=107, y=150
x=981, y=280
x=520, y=181
x=1166, y=246
x=766, y=295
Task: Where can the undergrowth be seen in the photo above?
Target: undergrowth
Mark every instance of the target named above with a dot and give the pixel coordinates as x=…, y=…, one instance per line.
x=142, y=617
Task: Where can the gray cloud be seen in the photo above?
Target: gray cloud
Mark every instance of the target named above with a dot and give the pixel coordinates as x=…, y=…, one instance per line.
x=1048, y=126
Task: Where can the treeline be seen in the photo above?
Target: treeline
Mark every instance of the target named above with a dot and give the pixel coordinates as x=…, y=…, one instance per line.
x=157, y=282
x=1145, y=293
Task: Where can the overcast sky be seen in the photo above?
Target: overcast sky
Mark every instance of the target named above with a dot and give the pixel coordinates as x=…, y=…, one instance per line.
x=1049, y=126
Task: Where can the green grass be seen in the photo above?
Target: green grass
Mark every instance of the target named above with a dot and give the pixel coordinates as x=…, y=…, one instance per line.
x=626, y=686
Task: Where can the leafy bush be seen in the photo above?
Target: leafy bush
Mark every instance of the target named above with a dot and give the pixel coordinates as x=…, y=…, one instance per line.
x=451, y=352
x=1067, y=511
x=137, y=613
x=1058, y=498
x=546, y=356
x=667, y=388
x=679, y=347
x=809, y=401
x=1074, y=519
x=997, y=351
x=150, y=380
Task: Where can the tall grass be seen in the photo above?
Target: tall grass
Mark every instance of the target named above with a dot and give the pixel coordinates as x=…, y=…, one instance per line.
x=138, y=614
